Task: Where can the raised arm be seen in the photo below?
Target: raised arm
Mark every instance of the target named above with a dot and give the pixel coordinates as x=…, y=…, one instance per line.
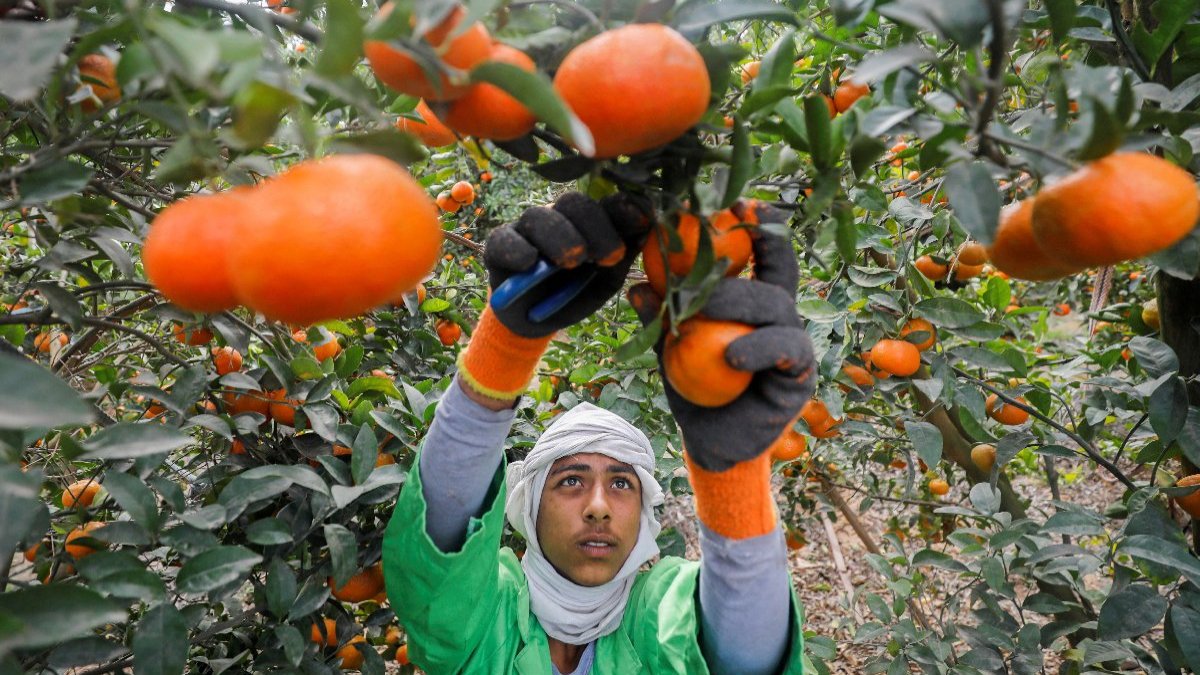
x=746, y=607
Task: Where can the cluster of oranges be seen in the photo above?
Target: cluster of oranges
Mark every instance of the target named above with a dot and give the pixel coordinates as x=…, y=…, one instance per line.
x=967, y=263
x=329, y=238
x=459, y=195
x=1121, y=207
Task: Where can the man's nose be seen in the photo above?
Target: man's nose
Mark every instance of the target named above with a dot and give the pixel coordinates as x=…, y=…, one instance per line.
x=597, y=505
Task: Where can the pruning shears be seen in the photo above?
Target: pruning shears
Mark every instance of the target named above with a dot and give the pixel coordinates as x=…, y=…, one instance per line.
x=567, y=284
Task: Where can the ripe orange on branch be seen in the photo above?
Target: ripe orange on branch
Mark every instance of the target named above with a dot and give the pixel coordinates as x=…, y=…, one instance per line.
x=363, y=586
x=1124, y=206
x=462, y=52
x=920, y=326
x=487, y=111
x=100, y=73
x=847, y=93
x=930, y=268
x=820, y=423
x=728, y=241
x=80, y=493
x=195, y=336
x=334, y=238
x=1015, y=251
x=81, y=550
x=1190, y=503
x=984, y=456
x=448, y=332
x=186, y=255
x=227, y=360
x=896, y=357
x=694, y=361
x=635, y=87
x=791, y=445
x=430, y=130
x=1005, y=413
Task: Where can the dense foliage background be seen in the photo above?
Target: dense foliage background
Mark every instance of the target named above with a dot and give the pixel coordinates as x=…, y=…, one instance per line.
x=222, y=525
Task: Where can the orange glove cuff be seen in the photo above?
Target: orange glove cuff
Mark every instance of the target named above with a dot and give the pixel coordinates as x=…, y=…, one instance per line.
x=735, y=503
x=497, y=362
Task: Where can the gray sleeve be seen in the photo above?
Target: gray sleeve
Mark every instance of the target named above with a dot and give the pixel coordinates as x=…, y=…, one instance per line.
x=745, y=602
x=458, y=460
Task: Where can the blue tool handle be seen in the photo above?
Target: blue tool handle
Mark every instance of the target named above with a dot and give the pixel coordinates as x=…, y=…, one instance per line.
x=519, y=284
x=560, y=298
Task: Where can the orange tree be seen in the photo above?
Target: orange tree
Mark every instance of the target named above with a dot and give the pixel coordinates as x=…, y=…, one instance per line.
x=999, y=267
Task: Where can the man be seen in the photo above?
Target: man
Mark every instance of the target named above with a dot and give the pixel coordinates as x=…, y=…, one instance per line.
x=584, y=497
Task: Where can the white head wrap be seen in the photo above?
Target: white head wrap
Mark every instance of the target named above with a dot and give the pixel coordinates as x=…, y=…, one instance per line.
x=567, y=611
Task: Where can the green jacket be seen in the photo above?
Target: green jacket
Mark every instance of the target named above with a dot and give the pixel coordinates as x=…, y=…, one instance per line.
x=468, y=612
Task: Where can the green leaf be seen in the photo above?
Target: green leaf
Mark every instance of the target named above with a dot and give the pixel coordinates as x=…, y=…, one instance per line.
x=1130, y=612
x=390, y=143
x=133, y=496
x=268, y=532
x=193, y=53
x=948, y=312
x=640, y=342
x=1106, y=132
x=536, y=92
x=864, y=151
x=343, y=553
x=742, y=167
x=881, y=64
x=280, y=587
x=306, y=368
x=215, y=568
x=1170, y=16
x=1062, y=18
x=160, y=642
x=32, y=397
x=64, y=304
x=29, y=50
x=694, y=17
x=257, y=110
x=43, y=616
x=1155, y=357
x=60, y=178
x=778, y=63
x=1159, y=550
x=928, y=557
x=363, y=454
x=341, y=45
x=816, y=124
x=20, y=508
x=1168, y=409
x=434, y=305
x=976, y=202
x=1185, y=626
x=926, y=439
x=127, y=440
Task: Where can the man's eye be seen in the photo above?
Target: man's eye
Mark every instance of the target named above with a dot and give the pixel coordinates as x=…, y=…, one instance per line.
x=568, y=479
x=623, y=483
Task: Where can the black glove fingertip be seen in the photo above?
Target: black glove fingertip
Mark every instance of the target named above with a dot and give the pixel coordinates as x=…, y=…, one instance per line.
x=506, y=252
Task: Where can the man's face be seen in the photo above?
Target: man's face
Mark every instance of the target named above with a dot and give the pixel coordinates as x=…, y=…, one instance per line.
x=589, y=499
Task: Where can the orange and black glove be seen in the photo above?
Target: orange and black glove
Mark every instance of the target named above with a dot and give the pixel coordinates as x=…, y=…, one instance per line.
x=726, y=447
x=596, y=242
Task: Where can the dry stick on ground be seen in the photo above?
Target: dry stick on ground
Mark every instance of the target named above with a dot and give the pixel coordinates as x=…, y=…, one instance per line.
x=839, y=562
x=856, y=524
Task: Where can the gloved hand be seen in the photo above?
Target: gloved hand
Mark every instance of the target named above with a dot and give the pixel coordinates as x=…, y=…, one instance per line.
x=580, y=236
x=778, y=352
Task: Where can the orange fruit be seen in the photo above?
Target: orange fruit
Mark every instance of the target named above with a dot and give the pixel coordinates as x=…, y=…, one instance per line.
x=1005, y=413
x=859, y=375
x=281, y=408
x=30, y=554
x=352, y=659
x=635, y=87
x=448, y=332
x=930, y=268
x=360, y=587
x=447, y=203
x=1015, y=252
x=750, y=71
x=383, y=459
x=237, y=447
x=795, y=540
x=43, y=341
x=330, y=638
x=1124, y=206
x=430, y=130
x=833, y=111
x=972, y=253
x=99, y=72
x=1190, y=503
x=899, y=148
x=485, y=177
x=728, y=241
x=80, y=493
x=820, y=423
x=402, y=655
x=984, y=456
x=938, y=487
x=791, y=445
x=81, y=550
x=487, y=111
x=964, y=272
x=254, y=401
x=392, y=636
x=328, y=349
x=193, y=336
x=847, y=93
x=227, y=360
x=186, y=255
x=694, y=361
x=1062, y=309
x=896, y=357
x=462, y=192
x=462, y=52
x=334, y=238
x=920, y=326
